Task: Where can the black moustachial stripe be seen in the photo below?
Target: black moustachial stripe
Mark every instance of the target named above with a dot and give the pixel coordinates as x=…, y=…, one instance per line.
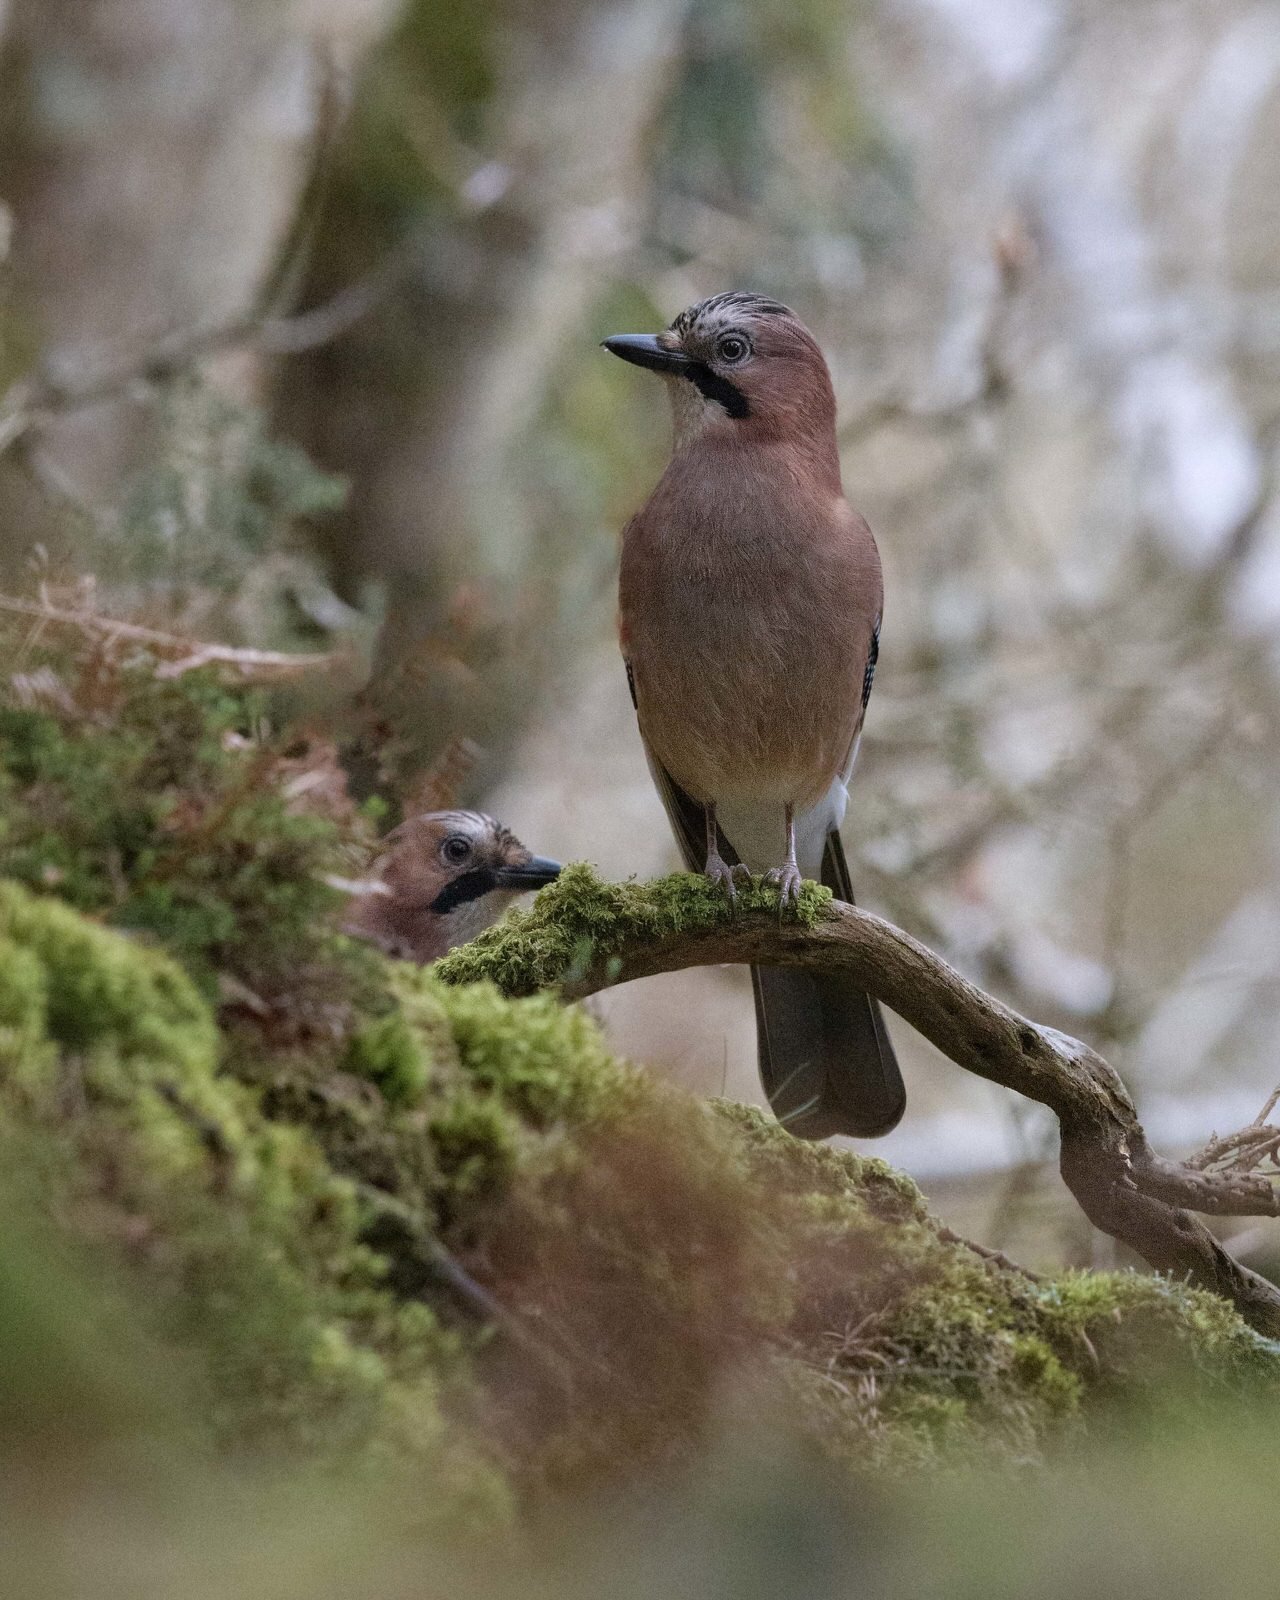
x=470, y=886
x=719, y=389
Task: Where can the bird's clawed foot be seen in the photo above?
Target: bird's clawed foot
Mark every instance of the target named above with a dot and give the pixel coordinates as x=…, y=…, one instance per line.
x=727, y=877
x=787, y=881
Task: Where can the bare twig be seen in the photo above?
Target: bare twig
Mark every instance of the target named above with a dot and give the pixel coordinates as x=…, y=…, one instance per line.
x=993, y=1258
x=32, y=403
x=1247, y=1150
x=187, y=654
x=422, y=1257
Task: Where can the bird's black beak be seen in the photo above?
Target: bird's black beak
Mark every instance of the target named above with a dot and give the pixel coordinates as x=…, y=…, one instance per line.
x=643, y=350
x=536, y=872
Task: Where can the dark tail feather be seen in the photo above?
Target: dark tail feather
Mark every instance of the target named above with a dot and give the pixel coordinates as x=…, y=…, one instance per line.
x=826, y=1060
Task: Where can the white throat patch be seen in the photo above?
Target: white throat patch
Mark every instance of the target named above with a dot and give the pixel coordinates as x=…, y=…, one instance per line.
x=472, y=917
x=692, y=413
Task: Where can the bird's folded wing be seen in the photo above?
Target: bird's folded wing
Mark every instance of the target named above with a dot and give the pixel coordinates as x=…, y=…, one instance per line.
x=835, y=869
x=686, y=816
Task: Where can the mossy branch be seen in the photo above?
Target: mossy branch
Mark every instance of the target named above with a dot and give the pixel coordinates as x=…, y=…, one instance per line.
x=584, y=935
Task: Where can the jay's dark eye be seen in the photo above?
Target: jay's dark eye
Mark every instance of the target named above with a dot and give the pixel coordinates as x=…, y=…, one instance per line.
x=731, y=348
x=455, y=849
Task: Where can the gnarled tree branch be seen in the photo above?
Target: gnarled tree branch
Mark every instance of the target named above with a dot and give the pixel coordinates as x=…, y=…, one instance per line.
x=1124, y=1187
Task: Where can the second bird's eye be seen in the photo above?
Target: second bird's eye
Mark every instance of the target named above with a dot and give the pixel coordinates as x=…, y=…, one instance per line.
x=455, y=849
x=731, y=348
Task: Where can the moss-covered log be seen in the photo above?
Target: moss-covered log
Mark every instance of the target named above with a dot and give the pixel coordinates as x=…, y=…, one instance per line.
x=478, y=1201
x=585, y=935
x=372, y=1214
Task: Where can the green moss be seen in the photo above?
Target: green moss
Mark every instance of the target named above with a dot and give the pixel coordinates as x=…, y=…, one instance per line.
x=1036, y=1368
x=298, y=1226
x=816, y=1170
x=476, y=1142
x=24, y=1003
x=389, y=1051
x=544, y=1061
x=376, y=1200
x=250, y=1243
x=1141, y=1333
x=950, y=1354
x=509, y=1070
x=163, y=806
x=479, y=1075
x=580, y=918
x=92, y=987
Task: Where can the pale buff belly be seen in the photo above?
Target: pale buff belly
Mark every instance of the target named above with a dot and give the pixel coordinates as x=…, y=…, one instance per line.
x=740, y=709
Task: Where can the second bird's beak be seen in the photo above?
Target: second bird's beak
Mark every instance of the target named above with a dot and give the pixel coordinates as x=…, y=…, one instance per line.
x=644, y=350
x=536, y=872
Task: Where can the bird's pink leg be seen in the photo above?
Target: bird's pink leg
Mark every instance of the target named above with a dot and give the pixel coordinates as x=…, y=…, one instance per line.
x=717, y=868
x=786, y=879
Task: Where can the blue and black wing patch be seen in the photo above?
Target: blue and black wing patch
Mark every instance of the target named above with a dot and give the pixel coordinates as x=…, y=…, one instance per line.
x=869, y=676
